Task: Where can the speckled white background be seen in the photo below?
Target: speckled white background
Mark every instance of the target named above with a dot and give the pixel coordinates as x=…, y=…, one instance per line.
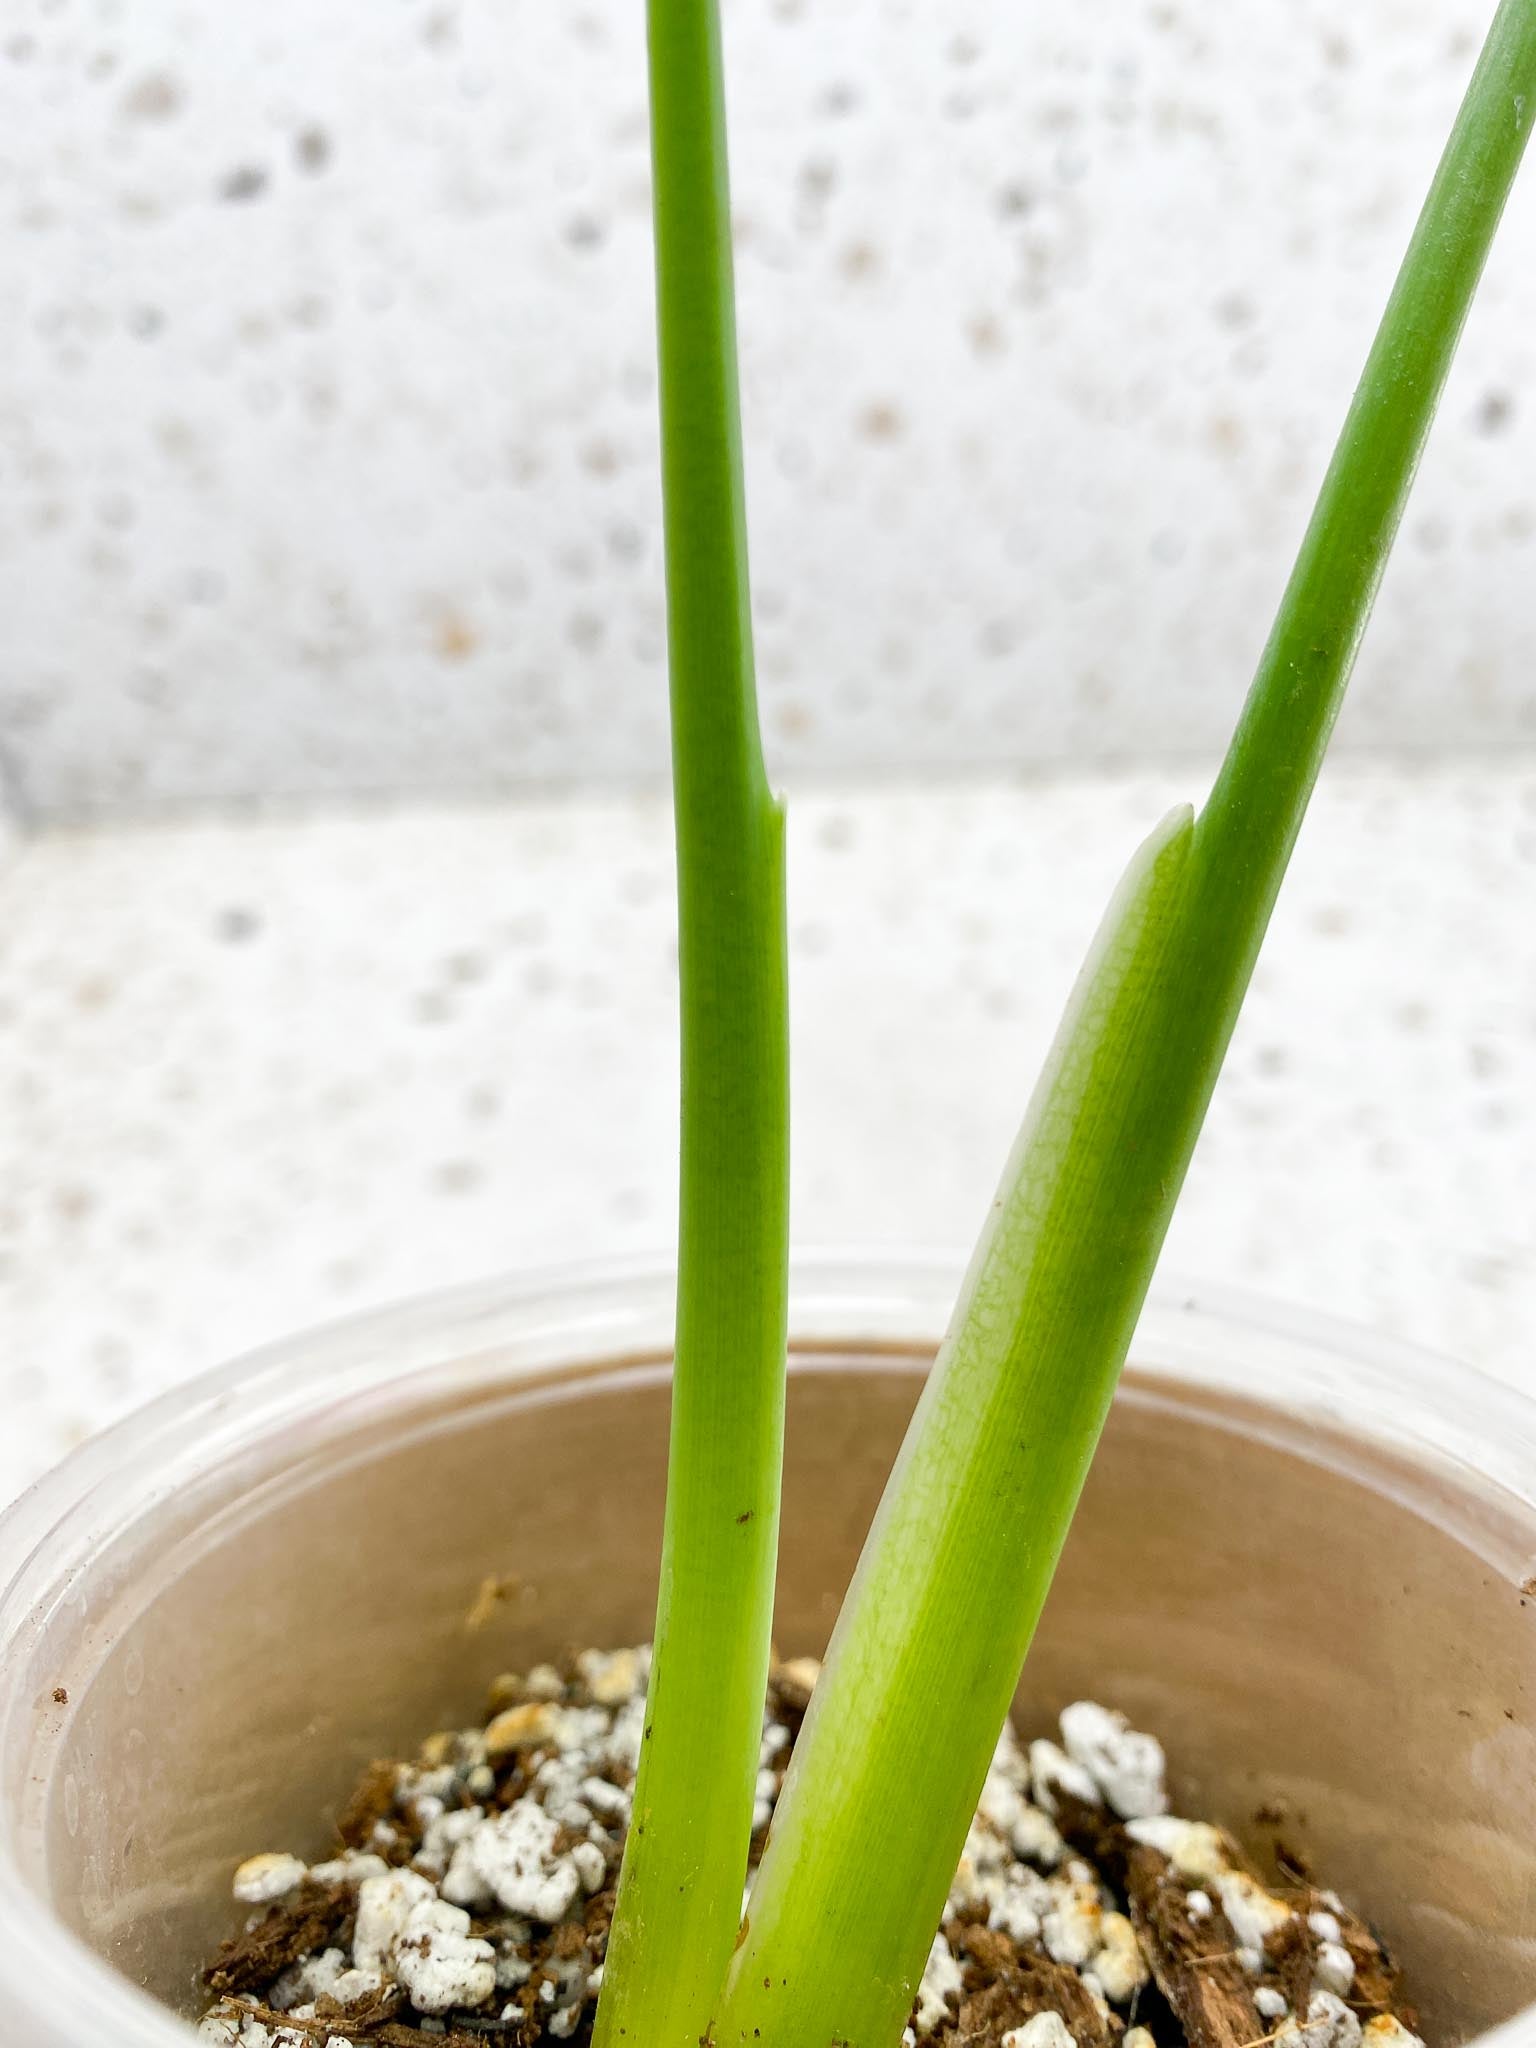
x=327, y=472
x=327, y=422
x=260, y=1074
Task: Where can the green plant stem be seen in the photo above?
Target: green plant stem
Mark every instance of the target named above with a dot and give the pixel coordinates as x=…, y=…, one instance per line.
x=1250, y=821
x=886, y=1774
x=892, y=1757
x=685, y=1860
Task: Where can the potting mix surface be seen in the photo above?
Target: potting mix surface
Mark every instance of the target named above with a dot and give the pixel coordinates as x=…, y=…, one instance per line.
x=468, y=1900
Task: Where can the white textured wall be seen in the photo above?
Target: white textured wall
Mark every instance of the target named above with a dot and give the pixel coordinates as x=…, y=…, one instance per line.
x=327, y=412
x=254, y=1075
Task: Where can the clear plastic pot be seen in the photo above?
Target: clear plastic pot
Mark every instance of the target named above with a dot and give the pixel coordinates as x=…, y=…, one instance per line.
x=1300, y=1558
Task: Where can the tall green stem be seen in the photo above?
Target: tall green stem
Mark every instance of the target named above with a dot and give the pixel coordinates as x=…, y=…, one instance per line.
x=1254, y=812
x=928, y=1647
x=685, y=1860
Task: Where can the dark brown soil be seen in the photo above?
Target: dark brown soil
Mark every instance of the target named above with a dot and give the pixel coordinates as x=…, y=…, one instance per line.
x=315, y=1918
x=1200, y=1994
x=1006, y=1984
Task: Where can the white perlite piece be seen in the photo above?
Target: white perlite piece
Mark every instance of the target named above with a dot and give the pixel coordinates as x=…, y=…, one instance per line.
x=591, y=1865
x=352, y=1985
x=383, y=1906
x=1013, y=1896
x=440, y=1843
x=515, y=1857
x=1329, y=2024
x=1252, y=1912
x=1334, y=1969
x=621, y=1751
x=1071, y=1928
x=1118, y=1965
x=539, y=1724
x=614, y=1676
x=608, y=1802
x=1035, y=1838
x=797, y=1679
x=262, y=1880
x=765, y=1791
x=557, y=1788
x=349, y=1868
x=1127, y=1767
x=1016, y=1909
x=941, y=1981
x=1045, y=2030
x=232, y=2024
x=315, y=1978
x=1194, y=1848
x=439, y=1963
x=512, y=1965
x=1030, y=1833
x=1052, y=1771
x=544, y=1682
x=1386, y=2031
x=1100, y=1943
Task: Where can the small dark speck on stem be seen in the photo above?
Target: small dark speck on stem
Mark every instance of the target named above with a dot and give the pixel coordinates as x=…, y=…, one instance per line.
x=744, y=1518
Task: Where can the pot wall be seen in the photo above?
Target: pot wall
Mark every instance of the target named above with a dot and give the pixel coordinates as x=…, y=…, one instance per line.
x=245, y=1595
x=1295, y=1638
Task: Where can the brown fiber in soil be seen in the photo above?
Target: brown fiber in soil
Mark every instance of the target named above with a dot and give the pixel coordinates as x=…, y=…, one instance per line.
x=1004, y=1985
x=1199, y=1996
x=1194, y=1963
x=316, y=1917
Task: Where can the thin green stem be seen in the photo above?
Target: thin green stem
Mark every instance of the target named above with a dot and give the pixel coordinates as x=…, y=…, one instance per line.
x=1249, y=824
x=930, y=1642
x=685, y=1859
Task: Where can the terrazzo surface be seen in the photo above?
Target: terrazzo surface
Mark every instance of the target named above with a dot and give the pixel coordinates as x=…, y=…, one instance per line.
x=258, y=1074
x=328, y=424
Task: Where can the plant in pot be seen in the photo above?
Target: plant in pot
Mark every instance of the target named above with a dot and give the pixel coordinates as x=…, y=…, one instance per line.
x=573, y=1867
